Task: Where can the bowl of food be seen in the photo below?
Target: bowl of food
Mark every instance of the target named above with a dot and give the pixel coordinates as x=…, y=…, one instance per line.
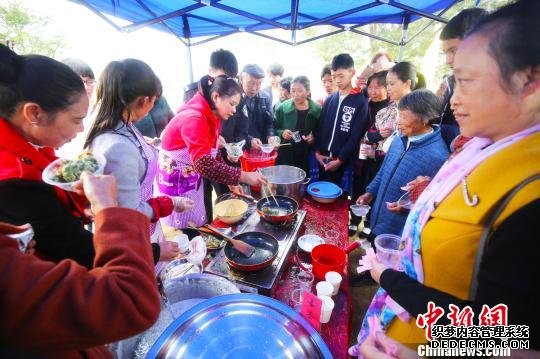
x=231, y=210
x=64, y=173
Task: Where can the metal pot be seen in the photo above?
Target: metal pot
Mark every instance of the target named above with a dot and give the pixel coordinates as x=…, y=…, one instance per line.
x=285, y=180
x=181, y=294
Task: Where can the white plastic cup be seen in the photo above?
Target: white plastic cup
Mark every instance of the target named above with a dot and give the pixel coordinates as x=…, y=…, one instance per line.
x=326, y=309
x=333, y=278
x=296, y=136
x=365, y=147
x=183, y=243
x=324, y=289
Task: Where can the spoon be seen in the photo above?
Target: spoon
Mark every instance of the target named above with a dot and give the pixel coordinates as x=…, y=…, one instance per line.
x=241, y=246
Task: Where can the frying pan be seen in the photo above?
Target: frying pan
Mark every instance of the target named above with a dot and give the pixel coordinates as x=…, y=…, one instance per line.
x=266, y=249
x=285, y=203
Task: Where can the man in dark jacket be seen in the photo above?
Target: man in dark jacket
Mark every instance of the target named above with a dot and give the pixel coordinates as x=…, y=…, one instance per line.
x=344, y=120
x=256, y=106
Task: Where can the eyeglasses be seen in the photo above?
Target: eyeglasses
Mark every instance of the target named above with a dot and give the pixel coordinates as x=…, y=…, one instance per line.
x=89, y=82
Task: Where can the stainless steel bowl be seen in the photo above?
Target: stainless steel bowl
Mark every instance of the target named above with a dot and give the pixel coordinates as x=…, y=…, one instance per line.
x=240, y=326
x=180, y=295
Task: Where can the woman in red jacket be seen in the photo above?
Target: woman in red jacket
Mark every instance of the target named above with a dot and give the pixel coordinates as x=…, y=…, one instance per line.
x=42, y=106
x=189, y=147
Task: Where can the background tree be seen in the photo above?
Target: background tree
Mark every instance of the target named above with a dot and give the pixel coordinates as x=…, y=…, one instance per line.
x=362, y=48
x=25, y=31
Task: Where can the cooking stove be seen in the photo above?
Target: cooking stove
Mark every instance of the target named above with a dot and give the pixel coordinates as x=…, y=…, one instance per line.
x=263, y=281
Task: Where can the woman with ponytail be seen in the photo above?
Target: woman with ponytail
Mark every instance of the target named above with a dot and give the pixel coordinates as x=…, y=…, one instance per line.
x=401, y=79
x=42, y=106
x=189, y=147
x=126, y=92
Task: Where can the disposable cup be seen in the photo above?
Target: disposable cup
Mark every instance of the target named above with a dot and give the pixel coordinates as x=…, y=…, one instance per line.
x=295, y=301
x=389, y=248
x=324, y=288
x=365, y=147
x=334, y=278
x=326, y=309
x=305, y=280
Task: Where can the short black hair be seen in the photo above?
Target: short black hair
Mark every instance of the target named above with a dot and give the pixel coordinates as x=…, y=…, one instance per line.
x=285, y=83
x=342, y=61
x=422, y=102
x=303, y=80
x=224, y=60
x=512, y=32
x=80, y=67
x=326, y=70
x=460, y=24
x=276, y=69
x=379, y=76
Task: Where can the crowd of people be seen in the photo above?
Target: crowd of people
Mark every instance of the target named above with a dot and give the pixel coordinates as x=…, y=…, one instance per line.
x=469, y=153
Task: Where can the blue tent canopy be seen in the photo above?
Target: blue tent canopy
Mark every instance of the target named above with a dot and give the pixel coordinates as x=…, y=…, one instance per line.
x=211, y=19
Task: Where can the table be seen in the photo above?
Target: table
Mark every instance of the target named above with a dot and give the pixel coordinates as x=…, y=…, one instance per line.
x=319, y=219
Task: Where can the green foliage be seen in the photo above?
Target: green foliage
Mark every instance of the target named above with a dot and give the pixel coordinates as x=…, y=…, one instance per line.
x=25, y=30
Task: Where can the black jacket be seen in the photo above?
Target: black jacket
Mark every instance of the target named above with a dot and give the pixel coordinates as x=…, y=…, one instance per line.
x=341, y=135
x=449, y=125
x=258, y=110
x=236, y=128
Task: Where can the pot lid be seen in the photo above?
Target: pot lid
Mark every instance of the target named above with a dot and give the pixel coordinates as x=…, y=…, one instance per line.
x=324, y=189
x=237, y=326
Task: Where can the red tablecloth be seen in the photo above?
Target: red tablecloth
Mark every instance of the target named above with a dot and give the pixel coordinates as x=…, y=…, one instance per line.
x=320, y=218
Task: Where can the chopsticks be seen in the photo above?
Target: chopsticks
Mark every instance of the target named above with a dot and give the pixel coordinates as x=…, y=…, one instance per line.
x=269, y=190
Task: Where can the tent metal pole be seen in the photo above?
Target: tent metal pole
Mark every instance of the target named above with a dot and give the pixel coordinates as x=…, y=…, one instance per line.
x=103, y=17
x=189, y=62
x=405, y=28
x=410, y=9
x=294, y=19
x=326, y=20
x=187, y=35
x=177, y=13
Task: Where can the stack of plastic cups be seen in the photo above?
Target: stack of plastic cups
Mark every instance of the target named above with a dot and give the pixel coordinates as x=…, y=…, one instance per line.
x=324, y=292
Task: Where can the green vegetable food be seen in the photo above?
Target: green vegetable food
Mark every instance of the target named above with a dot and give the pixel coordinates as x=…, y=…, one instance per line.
x=70, y=170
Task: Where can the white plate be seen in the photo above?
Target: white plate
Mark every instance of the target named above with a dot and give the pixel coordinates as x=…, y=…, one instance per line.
x=309, y=241
x=48, y=172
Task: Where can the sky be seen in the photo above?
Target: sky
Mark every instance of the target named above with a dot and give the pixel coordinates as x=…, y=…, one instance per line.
x=91, y=39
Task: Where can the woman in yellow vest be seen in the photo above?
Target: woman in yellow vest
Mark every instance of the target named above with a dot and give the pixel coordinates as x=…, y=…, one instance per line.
x=497, y=103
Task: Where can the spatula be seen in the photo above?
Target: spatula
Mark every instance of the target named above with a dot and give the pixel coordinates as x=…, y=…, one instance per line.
x=241, y=246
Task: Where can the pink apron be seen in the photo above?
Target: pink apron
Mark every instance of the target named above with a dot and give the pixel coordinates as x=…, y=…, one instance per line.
x=150, y=156
x=177, y=177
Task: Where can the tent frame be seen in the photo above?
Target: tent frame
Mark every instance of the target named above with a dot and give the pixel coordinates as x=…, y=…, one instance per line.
x=293, y=25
